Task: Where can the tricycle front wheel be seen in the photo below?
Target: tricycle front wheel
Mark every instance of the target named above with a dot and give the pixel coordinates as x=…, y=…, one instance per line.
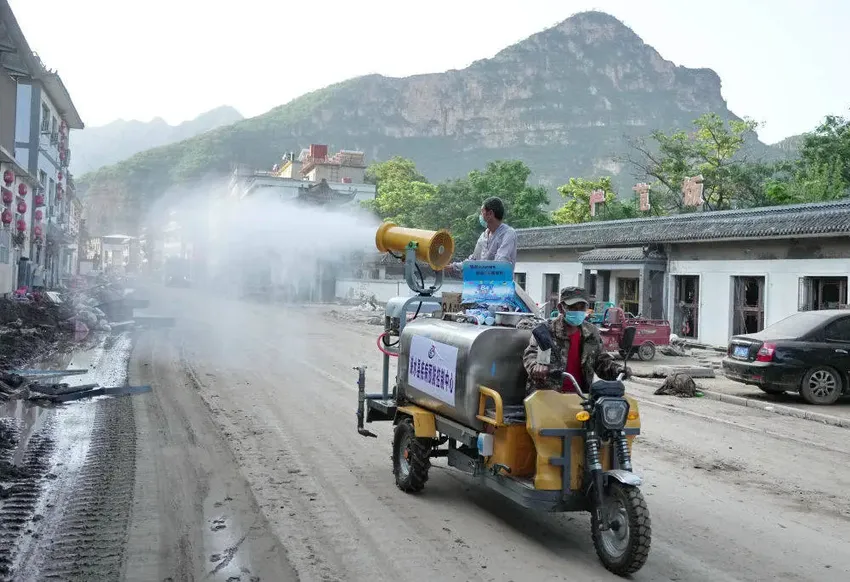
x=624, y=547
x=411, y=457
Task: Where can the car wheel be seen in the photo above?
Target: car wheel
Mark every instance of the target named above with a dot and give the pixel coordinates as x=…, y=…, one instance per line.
x=821, y=385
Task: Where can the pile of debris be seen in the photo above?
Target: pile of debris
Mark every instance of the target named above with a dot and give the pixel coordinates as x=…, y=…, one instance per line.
x=368, y=313
x=37, y=325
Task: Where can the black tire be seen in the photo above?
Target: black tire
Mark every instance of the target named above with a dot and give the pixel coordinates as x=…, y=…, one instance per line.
x=646, y=351
x=411, y=457
x=637, y=539
x=822, y=385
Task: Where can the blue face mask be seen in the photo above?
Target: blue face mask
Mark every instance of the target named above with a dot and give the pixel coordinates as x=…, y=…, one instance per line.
x=575, y=318
x=482, y=221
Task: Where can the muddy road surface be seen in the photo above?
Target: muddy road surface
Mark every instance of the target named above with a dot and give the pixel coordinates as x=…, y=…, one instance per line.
x=735, y=493
x=246, y=465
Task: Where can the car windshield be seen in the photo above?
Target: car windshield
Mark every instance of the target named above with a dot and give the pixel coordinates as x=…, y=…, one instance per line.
x=795, y=325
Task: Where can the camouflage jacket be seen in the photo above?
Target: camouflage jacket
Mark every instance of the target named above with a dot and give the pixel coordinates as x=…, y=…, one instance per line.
x=594, y=360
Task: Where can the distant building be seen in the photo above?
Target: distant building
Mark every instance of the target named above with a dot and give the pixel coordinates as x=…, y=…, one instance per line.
x=712, y=274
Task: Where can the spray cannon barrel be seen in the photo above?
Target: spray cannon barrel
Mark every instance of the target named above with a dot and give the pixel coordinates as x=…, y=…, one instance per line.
x=435, y=247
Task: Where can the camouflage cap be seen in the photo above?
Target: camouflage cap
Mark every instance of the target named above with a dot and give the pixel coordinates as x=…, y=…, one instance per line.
x=573, y=295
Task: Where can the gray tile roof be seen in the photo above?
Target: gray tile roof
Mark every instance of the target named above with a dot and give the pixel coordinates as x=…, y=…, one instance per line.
x=618, y=255
x=823, y=218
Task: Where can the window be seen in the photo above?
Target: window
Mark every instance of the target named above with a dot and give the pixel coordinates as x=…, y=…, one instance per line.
x=628, y=294
x=838, y=330
x=45, y=119
x=816, y=293
x=519, y=279
x=42, y=178
x=5, y=245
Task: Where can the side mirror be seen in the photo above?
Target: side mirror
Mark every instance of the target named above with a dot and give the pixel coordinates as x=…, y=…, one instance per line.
x=628, y=339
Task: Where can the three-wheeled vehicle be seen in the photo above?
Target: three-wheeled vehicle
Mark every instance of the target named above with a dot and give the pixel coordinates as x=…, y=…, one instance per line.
x=459, y=392
x=649, y=333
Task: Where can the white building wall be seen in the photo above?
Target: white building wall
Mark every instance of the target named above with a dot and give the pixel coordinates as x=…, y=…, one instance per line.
x=781, y=288
x=384, y=289
x=535, y=273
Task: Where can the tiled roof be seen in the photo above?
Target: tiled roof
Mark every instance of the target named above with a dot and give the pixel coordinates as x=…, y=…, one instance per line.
x=823, y=218
x=619, y=254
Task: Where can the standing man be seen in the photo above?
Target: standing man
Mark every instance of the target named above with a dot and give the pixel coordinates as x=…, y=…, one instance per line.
x=498, y=241
x=568, y=343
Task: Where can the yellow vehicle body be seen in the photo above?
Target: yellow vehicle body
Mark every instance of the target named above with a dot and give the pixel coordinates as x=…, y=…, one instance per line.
x=521, y=446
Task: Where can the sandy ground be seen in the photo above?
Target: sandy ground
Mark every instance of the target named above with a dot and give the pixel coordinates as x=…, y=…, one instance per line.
x=243, y=464
x=735, y=493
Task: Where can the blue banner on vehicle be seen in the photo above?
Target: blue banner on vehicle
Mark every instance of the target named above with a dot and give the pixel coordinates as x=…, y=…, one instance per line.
x=490, y=283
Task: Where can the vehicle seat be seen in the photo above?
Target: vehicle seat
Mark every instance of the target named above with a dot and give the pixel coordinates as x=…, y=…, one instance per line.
x=610, y=388
x=513, y=413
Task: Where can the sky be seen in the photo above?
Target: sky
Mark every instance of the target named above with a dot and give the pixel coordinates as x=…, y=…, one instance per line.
x=782, y=62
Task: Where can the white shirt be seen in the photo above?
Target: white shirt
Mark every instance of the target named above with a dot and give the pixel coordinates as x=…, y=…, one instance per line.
x=496, y=246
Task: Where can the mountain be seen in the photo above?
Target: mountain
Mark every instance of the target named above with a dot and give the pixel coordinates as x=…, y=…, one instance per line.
x=791, y=145
x=563, y=100
x=95, y=147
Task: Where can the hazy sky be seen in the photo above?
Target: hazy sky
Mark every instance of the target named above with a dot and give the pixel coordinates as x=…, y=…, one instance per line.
x=782, y=62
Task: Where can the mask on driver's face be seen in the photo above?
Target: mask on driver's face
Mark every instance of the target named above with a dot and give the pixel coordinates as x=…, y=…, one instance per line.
x=482, y=221
x=575, y=318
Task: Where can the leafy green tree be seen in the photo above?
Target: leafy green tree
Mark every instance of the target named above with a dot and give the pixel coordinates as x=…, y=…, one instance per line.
x=402, y=192
x=710, y=150
x=826, y=151
x=576, y=209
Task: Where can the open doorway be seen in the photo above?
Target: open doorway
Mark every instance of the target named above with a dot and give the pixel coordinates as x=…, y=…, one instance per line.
x=747, y=305
x=686, y=308
x=628, y=295
x=551, y=290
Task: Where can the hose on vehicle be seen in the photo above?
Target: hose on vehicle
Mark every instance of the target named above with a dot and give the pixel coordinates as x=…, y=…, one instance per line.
x=382, y=348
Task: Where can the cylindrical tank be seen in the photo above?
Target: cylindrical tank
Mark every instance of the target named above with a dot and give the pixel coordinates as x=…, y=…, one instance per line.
x=441, y=364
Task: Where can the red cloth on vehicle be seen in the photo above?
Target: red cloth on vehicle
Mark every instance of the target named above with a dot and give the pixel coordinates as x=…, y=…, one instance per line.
x=574, y=363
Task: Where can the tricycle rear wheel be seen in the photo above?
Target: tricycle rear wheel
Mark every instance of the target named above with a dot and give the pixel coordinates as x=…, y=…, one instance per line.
x=411, y=457
x=624, y=547
x=646, y=351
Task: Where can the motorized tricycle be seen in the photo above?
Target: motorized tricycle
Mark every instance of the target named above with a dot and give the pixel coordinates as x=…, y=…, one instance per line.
x=460, y=393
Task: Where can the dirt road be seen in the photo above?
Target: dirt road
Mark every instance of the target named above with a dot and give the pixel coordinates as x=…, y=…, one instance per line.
x=243, y=464
x=735, y=493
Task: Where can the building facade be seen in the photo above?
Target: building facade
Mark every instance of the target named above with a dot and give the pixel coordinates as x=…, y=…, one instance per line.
x=36, y=116
x=711, y=274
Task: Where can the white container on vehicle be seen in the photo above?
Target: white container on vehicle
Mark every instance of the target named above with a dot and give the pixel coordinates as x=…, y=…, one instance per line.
x=485, y=444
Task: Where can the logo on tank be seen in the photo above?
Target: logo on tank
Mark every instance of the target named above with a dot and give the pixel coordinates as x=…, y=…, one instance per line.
x=432, y=352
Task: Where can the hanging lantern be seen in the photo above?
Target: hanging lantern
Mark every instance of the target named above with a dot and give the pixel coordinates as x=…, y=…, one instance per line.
x=8, y=197
x=21, y=225
x=60, y=176
x=22, y=189
x=6, y=217
x=22, y=207
x=62, y=154
x=37, y=231
x=39, y=199
x=39, y=215
x=8, y=177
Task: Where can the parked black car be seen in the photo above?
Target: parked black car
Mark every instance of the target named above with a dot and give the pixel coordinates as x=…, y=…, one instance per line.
x=808, y=352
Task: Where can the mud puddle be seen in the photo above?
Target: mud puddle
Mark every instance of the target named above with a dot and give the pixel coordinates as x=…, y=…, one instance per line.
x=57, y=519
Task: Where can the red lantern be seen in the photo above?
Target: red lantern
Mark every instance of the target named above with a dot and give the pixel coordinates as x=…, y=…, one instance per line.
x=22, y=225
x=22, y=189
x=39, y=199
x=8, y=197
x=7, y=217
x=39, y=215
x=60, y=176
x=37, y=231
x=62, y=155
x=8, y=177
x=22, y=207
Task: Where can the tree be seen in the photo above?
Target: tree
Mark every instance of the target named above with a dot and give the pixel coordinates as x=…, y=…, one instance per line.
x=827, y=151
x=711, y=150
x=402, y=192
x=577, y=207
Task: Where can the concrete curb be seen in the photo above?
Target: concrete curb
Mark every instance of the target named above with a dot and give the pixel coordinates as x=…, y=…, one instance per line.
x=766, y=406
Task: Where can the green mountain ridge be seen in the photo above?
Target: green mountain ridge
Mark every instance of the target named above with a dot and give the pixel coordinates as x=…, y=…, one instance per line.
x=564, y=100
